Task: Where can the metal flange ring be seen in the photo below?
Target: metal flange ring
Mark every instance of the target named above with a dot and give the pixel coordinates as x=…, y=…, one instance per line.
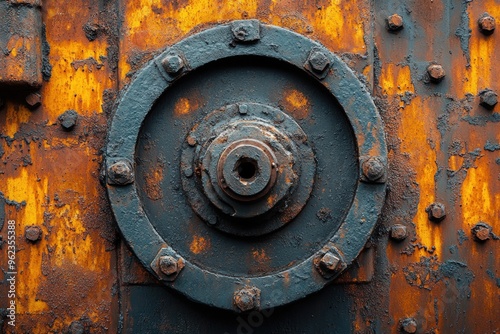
x=143, y=230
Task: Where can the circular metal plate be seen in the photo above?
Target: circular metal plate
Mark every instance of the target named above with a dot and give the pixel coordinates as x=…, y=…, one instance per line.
x=245, y=63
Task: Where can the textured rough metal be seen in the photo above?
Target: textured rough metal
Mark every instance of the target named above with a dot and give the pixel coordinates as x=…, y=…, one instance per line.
x=318, y=61
x=330, y=262
x=486, y=24
x=21, y=45
x=246, y=30
x=233, y=143
x=399, y=232
x=488, y=98
x=68, y=119
x=33, y=233
x=436, y=212
x=374, y=169
x=395, y=22
x=351, y=103
x=247, y=299
x=33, y=100
x=173, y=64
x=167, y=265
x=436, y=72
x=120, y=173
x=481, y=232
x=409, y=325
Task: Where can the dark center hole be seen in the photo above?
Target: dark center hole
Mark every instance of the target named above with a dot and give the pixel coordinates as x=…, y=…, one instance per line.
x=247, y=168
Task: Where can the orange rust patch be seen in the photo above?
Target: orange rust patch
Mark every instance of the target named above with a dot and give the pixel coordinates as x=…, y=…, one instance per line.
x=199, y=244
x=185, y=106
x=153, y=180
x=296, y=104
x=260, y=255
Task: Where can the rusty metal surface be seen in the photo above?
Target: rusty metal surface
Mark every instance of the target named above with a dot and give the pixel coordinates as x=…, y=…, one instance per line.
x=443, y=147
x=23, y=45
x=324, y=250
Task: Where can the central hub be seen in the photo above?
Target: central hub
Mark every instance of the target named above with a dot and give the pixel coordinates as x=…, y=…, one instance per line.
x=246, y=169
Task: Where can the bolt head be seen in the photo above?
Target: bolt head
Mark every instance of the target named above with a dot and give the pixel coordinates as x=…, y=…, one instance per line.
x=33, y=233
x=120, y=173
x=330, y=262
x=246, y=30
x=33, y=100
x=486, y=24
x=436, y=72
x=409, y=325
x=68, y=119
x=394, y=22
x=247, y=299
x=488, y=98
x=373, y=169
x=172, y=64
x=436, y=212
x=481, y=232
x=398, y=232
x=168, y=265
x=318, y=61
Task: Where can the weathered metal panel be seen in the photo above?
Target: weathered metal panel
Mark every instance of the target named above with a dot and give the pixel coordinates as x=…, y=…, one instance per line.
x=429, y=276
x=22, y=44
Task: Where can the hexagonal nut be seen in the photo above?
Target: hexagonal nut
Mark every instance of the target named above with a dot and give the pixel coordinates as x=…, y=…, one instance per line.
x=247, y=298
x=481, y=232
x=33, y=233
x=436, y=72
x=68, y=119
x=488, y=98
x=373, y=168
x=120, y=173
x=168, y=265
x=436, y=212
x=33, y=100
x=173, y=64
x=409, y=325
x=318, y=61
x=394, y=22
x=246, y=30
x=398, y=232
x=486, y=24
x=330, y=262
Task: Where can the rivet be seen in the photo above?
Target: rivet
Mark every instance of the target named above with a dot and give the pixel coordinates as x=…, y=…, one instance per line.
x=191, y=141
x=486, y=24
x=247, y=299
x=436, y=72
x=188, y=172
x=409, y=325
x=394, y=22
x=436, y=212
x=120, y=173
x=33, y=233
